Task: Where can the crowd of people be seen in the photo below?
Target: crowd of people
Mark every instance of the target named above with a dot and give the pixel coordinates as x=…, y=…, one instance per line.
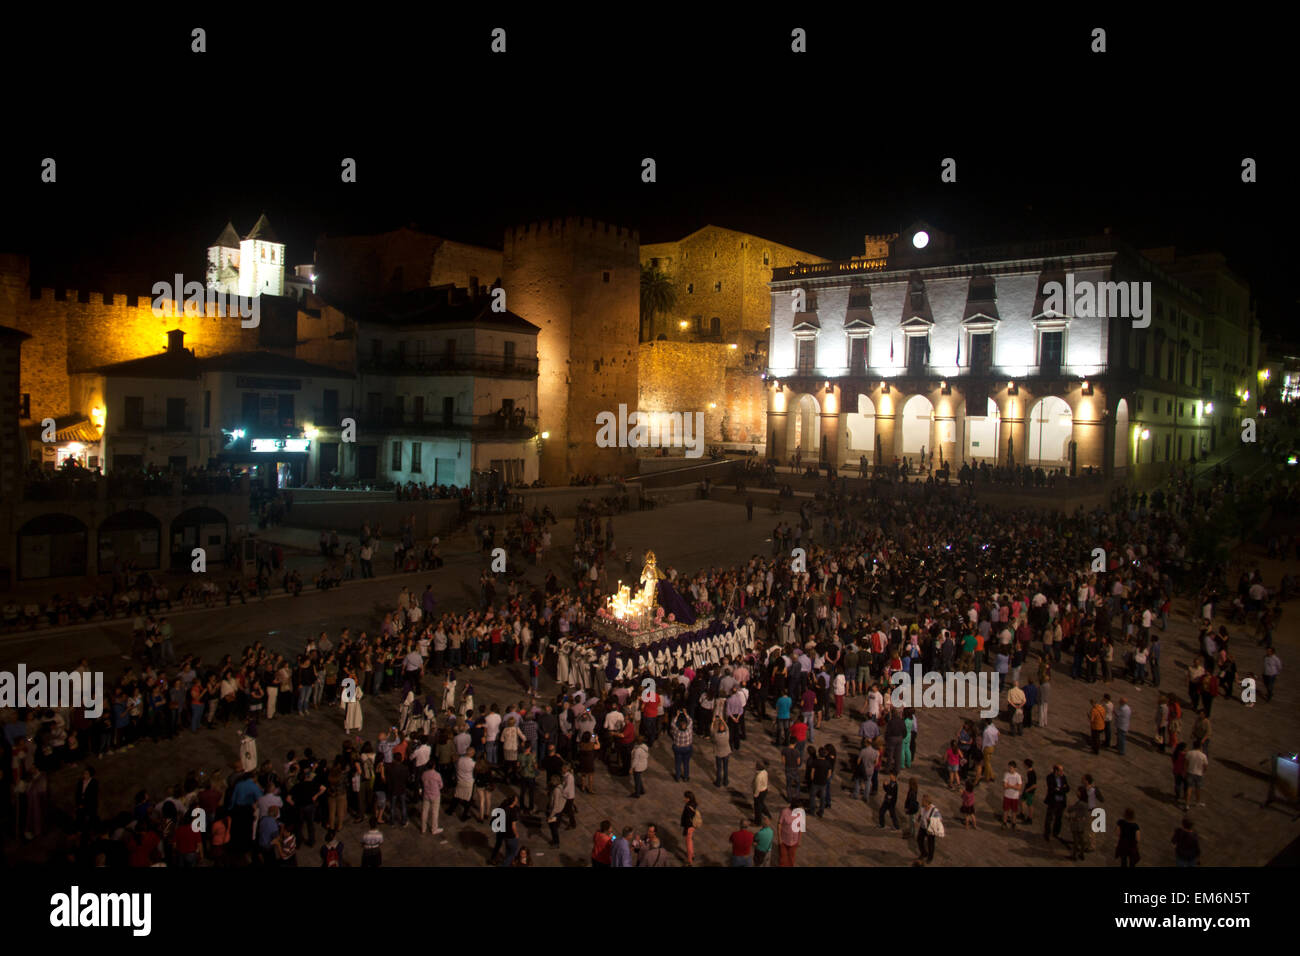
x=892, y=578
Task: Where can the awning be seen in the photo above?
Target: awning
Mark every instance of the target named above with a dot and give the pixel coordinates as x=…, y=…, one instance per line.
x=68, y=428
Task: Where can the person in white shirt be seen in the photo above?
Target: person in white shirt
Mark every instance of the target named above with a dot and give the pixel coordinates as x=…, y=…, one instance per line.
x=492, y=734
x=841, y=686
x=1011, y=784
x=874, y=701
x=1197, y=764
x=988, y=743
x=422, y=754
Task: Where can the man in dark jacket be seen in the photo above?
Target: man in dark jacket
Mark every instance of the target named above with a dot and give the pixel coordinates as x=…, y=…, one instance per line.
x=1058, y=794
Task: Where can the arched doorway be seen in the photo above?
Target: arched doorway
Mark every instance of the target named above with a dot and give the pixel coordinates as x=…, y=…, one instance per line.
x=982, y=433
x=860, y=430
x=51, y=546
x=1122, y=442
x=129, y=536
x=1051, y=425
x=199, y=528
x=804, y=433
x=918, y=426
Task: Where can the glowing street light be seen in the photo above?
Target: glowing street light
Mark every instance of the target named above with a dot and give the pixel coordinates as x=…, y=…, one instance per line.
x=920, y=239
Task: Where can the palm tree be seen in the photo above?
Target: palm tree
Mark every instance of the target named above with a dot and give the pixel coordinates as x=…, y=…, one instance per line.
x=658, y=296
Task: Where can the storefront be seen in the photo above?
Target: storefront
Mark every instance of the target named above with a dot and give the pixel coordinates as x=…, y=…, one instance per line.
x=272, y=463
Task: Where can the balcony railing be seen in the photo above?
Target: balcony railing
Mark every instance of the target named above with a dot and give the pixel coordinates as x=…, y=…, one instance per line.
x=485, y=363
x=852, y=267
x=82, y=486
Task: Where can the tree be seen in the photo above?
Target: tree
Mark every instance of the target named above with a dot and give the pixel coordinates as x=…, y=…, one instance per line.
x=658, y=296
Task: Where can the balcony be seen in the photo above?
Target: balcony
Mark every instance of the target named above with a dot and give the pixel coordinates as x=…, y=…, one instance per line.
x=475, y=427
x=853, y=267
x=154, y=425
x=458, y=363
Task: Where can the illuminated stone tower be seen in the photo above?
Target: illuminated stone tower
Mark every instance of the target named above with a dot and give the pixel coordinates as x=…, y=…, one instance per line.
x=579, y=281
x=261, y=261
x=223, y=261
x=250, y=266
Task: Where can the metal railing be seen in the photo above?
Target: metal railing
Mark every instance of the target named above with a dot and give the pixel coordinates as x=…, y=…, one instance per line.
x=490, y=363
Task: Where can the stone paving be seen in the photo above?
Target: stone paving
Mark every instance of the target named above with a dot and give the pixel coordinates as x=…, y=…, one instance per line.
x=1235, y=831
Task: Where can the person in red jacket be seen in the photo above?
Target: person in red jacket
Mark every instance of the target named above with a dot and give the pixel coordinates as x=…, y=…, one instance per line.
x=600, y=849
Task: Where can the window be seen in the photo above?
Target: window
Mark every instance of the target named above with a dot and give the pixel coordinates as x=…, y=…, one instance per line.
x=207, y=409
x=715, y=325
x=807, y=359
x=450, y=351
x=374, y=408
x=1141, y=402
x=419, y=409
x=25, y=405
x=717, y=287
x=766, y=258
x=1169, y=406
x=397, y=456
x=376, y=350
x=133, y=413
x=604, y=277
x=918, y=352
x=175, y=414
x=399, y=408
x=331, y=409
x=1050, y=350
x=250, y=409
x=510, y=355
x=858, y=354
x=1167, y=437
x=981, y=353
x=449, y=410
x=1181, y=409
x=284, y=411
x=416, y=449
x=690, y=287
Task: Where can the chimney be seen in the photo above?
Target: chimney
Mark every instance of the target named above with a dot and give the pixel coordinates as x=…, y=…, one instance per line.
x=176, y=342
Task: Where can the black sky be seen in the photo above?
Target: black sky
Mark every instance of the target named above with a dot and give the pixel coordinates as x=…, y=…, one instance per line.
x=157, y=147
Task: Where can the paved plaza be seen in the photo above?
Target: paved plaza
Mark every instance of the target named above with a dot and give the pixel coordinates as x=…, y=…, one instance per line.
x=1234, y=830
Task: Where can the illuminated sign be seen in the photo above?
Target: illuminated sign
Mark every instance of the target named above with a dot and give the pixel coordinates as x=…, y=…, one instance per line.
x=281, y=444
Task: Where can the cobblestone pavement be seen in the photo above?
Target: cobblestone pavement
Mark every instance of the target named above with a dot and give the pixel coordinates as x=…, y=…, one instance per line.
x=1235, y=831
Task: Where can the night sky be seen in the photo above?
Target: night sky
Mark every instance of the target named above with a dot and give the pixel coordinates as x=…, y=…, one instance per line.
x=157, y=147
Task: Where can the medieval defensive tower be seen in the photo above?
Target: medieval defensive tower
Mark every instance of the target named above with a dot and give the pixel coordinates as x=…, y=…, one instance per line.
x=579, y=281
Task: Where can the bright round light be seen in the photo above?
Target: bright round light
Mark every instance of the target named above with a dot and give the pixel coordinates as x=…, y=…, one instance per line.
x=921, y=239
x=1146, y=433
x=546, y=434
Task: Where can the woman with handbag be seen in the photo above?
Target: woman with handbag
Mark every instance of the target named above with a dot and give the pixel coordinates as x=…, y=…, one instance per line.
x=931, y=827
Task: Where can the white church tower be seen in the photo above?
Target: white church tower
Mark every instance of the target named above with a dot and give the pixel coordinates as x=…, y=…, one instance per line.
x=223, y=262
x=261, y=261
x=250, y=266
